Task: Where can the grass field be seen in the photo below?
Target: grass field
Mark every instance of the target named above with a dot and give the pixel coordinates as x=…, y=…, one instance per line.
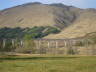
x=48, y=63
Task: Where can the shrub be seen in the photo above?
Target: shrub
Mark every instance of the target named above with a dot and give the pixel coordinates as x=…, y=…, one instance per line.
x=80, y=43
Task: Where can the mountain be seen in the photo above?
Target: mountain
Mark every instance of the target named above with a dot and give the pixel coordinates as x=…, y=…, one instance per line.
x=73, y=22
x=37, y=14
x=83, y=25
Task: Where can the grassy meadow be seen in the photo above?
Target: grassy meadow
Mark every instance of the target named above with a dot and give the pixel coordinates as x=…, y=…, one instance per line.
x=46, y=63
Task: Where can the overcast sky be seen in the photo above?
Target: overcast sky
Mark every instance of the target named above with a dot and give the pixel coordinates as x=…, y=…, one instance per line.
x=78, y=3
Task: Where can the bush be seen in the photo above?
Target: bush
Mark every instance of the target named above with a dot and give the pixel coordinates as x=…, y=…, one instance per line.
x=80, y=43
x=7, y=47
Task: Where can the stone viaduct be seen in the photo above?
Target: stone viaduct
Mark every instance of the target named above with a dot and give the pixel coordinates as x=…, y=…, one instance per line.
x=71, y=46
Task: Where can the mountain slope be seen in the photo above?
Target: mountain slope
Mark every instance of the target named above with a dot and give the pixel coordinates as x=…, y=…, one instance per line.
x=35, y=14
x=73, y=22
x=84, y=24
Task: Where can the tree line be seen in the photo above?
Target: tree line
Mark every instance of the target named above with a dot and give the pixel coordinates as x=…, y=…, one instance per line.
x=34, y=32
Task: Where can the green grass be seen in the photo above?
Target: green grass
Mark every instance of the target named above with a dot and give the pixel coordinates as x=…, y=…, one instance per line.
x=48, y=64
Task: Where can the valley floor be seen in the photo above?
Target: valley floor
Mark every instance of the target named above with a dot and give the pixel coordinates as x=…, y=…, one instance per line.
x=47, y=63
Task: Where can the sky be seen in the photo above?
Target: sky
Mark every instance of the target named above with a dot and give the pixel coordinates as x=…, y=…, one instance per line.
x=77, y=3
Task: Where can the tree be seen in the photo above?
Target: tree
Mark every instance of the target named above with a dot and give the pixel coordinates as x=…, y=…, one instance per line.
x=29, y=45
